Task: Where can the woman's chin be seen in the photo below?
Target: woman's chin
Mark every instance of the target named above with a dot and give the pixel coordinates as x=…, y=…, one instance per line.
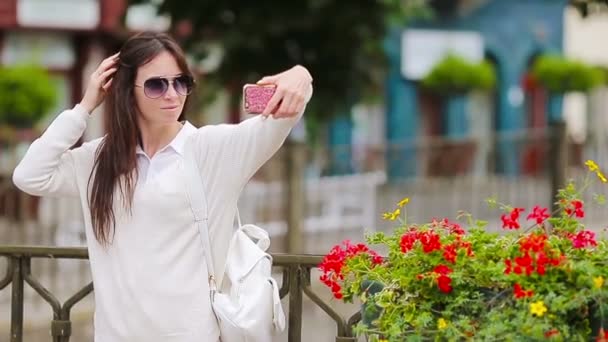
x=169, y=116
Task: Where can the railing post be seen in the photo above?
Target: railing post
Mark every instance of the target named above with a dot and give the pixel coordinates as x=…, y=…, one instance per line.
x=294, y=333
x=61, y=330
x=559, y=159
x=17, y=298
x=296, y=163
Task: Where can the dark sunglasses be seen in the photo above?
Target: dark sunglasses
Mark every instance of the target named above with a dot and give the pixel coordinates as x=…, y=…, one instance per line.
x=156, y=87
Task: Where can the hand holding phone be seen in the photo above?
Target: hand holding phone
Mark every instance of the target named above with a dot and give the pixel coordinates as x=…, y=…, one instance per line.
x=256, y=97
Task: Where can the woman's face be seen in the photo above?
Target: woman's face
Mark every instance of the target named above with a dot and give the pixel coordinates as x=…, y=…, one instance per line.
x=166, y=108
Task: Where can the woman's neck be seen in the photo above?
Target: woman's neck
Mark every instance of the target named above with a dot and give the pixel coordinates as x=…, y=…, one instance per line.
x=155, y=137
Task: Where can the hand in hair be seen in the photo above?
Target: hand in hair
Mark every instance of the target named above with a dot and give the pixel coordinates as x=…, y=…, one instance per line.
x=292, y=87
x=99, y=83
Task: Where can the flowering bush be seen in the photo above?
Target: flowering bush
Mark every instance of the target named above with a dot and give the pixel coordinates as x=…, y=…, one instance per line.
x=541, y=278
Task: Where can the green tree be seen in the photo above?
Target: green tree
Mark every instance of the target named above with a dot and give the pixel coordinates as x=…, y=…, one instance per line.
x=340, y=42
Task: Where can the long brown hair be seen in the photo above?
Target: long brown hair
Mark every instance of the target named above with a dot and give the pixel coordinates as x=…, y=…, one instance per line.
x=115, y=165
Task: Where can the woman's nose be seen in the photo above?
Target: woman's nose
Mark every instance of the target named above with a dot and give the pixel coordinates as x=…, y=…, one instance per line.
x=171, y=92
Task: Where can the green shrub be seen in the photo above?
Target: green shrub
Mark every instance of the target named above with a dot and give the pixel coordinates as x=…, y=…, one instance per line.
x=27, y=93
x=604, y=71
x=559, y=74
x=456, y=75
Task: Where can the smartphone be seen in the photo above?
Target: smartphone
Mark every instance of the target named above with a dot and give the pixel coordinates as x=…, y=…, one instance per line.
x=256, y=97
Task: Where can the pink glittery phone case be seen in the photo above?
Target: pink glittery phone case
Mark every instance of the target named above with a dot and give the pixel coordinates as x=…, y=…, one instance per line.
x=256, y=97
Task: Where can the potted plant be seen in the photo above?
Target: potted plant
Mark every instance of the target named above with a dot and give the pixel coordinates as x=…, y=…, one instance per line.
x=27, y=93
x=559, y=75
x=542, y=277
x=454, y=78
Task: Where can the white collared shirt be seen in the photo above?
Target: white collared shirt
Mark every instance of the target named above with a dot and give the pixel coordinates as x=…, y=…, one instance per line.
x=150, y=168
x=150, y=283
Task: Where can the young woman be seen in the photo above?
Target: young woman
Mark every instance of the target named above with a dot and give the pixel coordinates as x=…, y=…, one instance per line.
x=145, y=253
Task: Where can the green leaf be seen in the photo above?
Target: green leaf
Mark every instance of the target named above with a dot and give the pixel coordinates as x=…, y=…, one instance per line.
x=559, y=74
x=456, y=75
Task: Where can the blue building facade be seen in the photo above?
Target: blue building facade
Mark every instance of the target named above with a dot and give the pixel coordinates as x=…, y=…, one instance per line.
x=513, y=33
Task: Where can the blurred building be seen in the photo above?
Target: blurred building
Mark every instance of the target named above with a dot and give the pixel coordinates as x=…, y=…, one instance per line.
x=68, y=37
x=509, y=34
x=505, y=131
x=587, y=114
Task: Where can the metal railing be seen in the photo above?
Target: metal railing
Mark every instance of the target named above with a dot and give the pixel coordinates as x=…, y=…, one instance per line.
x=296, y=282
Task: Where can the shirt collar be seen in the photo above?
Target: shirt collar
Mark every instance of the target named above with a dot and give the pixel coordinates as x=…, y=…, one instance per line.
x=178, y=143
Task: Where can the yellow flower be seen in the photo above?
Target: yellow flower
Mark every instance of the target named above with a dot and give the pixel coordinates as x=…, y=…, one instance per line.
x=538, y=308
x=392, y=216
x=598, y=281
x=442, y=324
x=601, y=176
x=403, y=202
x=592, y=165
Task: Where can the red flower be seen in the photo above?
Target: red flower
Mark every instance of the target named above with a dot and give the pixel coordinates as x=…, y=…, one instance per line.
x=333, y=263
x=453, y=228
x=524, y=263
x=467, y=246
x=535, y=256
x=450, y=253
x=511, y=221
x=376, y=259
x=576, y=208
x=521, y=293
x=407, y=241
x=430, y=241
x=539, y=214
x=533, y=242
x=583, y=239
x=552, y=332
x=515, y=213
x=442, y=269
x=508, y=267
x=444, y=283
x=557, y=261
x=541, y=260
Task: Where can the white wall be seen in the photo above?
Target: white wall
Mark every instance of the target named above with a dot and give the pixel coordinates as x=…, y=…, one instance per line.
x=584, y=39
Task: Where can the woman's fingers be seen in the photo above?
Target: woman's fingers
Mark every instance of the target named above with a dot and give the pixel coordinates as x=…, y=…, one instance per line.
x=290, y=96
x=274, y=101
x=107, y=73
x=292, y=103
x=107, y=85
x=105, y=79
x=99, y=82
x=296, y=106
x=106, y=64
x=286, y=103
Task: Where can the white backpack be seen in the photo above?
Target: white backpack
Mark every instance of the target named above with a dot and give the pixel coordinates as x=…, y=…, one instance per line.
x=250, y=310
